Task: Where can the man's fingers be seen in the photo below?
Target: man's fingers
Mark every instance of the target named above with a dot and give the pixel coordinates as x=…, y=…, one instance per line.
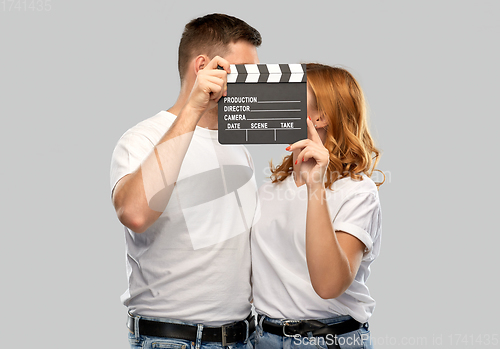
x=219, y=62
x=216, y=72
x=213, y=85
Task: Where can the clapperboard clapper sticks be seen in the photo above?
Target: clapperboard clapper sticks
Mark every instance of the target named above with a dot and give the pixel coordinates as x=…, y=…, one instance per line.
x=265, y=104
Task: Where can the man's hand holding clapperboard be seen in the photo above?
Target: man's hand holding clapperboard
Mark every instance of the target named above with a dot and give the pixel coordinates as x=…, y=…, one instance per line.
x=265, y=104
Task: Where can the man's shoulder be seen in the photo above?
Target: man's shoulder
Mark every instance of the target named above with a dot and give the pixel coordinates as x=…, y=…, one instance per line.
x=152, y=128
x=160, y=121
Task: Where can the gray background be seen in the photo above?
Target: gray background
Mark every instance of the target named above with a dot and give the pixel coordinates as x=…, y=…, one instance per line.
x=75, y=75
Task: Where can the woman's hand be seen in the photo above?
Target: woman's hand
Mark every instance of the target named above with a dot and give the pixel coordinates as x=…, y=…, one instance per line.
x=313, y=157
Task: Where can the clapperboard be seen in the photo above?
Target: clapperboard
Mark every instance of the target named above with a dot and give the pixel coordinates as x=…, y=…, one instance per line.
x=265, y=104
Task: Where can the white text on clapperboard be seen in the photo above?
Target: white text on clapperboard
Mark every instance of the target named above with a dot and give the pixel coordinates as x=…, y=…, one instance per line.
x=242, y=109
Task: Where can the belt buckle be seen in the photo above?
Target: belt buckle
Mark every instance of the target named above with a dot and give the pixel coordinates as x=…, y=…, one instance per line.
x=224, y=331
x=287, y=323
x=224, y=328
x=224, y=335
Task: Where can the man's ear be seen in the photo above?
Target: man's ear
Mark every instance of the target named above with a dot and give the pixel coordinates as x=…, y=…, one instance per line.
x=200, y=62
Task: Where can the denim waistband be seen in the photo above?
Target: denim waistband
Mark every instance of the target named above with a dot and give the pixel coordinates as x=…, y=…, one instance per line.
x=328, y=321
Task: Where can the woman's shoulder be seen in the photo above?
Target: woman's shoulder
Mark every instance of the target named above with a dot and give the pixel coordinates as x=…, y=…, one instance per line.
x=351, y=186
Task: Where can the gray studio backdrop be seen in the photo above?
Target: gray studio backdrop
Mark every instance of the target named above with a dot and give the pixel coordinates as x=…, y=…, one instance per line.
x=75, y=75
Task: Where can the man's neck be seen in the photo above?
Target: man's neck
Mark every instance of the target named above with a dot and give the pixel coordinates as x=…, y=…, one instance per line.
x=179, y=104
x=208, y=120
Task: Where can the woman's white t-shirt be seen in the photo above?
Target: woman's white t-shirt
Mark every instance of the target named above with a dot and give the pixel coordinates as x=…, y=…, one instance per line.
x=282, y=287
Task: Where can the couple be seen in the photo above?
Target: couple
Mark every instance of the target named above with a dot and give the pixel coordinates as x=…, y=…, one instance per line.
x=188, y=206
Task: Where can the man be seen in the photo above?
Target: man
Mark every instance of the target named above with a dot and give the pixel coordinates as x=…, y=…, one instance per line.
x=187, y=203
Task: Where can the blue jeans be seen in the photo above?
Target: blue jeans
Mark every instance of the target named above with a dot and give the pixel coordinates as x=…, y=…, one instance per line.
x=138, y=341
x=359, y=339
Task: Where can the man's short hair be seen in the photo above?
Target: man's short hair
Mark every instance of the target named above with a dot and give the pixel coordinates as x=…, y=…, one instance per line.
x=211, y=35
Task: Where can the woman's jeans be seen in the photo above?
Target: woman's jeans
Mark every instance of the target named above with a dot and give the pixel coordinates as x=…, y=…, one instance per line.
x=359, y=339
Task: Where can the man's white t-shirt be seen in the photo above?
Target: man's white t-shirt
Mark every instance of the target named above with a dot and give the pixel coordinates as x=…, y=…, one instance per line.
x=281, y=284
x=193, y=263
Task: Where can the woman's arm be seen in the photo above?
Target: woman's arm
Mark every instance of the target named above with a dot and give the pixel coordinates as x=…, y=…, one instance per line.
x=333, y=258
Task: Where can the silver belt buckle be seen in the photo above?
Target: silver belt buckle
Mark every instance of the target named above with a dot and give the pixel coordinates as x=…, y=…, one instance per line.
x=224, y=335
x=285, y=324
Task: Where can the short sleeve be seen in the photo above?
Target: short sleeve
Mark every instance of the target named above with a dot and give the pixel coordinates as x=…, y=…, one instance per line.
x=360, y=216
x=130, y=151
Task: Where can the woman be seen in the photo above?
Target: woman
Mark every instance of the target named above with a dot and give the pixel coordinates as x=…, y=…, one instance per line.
x=320, y=226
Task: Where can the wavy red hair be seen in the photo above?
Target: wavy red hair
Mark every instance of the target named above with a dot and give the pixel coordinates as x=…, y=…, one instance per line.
x=340, y=100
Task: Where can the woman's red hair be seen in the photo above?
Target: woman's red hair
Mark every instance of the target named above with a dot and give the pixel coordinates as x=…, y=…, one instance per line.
x=340, y=100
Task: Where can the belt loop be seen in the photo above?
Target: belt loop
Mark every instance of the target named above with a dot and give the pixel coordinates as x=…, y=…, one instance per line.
x=248, y=331
x=199, y=333
x=261, y=320
x=136, y=326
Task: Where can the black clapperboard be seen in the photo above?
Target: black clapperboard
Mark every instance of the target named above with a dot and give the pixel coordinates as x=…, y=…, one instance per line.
x=265, y=104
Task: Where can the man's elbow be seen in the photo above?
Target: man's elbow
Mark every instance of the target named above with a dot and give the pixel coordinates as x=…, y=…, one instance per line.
x=127, y=208
x=132, y=220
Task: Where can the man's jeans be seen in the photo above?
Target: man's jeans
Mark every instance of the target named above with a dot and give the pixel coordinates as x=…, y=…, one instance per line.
x=359, y=339
x=148, y=342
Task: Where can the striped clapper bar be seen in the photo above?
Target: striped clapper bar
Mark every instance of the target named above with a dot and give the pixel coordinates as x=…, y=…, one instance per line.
x=265, y=104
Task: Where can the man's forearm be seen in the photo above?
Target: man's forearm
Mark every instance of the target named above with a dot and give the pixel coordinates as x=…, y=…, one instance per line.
x=141, y=197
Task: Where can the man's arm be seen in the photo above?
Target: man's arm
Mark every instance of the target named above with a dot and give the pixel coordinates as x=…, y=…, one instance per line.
x=140, y=197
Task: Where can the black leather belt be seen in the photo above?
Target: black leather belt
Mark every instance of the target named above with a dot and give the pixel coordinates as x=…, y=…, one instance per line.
x=230, y=333
x=293, y=328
